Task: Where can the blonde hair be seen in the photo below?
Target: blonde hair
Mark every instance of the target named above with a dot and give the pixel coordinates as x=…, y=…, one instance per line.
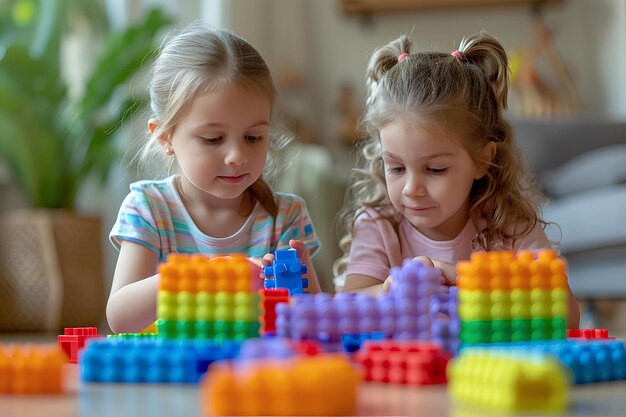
x=467, y=91
x=197, y=61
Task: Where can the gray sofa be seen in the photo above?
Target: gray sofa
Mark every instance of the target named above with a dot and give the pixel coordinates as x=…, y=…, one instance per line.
x=582, y=167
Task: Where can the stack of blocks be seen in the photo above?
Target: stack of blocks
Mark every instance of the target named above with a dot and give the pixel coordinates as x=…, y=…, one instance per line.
x=202, y=298
x=504, y=298
x=205, y=308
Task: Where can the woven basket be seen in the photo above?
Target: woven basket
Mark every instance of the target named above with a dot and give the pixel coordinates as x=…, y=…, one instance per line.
x=51, y=272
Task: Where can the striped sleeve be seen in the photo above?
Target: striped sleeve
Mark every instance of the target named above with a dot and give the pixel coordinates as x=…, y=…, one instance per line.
x=136, y=223
x=297, y=225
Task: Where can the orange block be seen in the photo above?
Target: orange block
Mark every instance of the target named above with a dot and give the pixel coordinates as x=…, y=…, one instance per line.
x=308, y=386
x=29, y=369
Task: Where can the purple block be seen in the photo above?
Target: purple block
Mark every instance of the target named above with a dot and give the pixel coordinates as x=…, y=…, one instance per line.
x=276, y=347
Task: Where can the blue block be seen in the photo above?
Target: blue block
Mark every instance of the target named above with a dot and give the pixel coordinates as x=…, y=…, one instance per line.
x=352, y=342
x=287, y=272
x=589, y=360
x=152, y=361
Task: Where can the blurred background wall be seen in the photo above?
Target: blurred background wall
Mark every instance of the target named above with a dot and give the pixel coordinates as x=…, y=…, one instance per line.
x=318, y=54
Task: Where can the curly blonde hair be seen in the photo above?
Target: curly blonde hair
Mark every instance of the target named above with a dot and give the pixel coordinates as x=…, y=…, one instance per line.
x=468, y=91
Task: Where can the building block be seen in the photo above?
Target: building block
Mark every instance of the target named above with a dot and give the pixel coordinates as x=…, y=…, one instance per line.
x=30, y=369
x=73, y=340
x=508, y=381
x=352, y=342
x=215, y=330
x=200, y=273
x=269, y=297
x=287, y=272
x=134, y=336
x=589, y=334
x=323, y=385
x=444, y=316
x=589, y=361
x=207, y=298
x=505, y=297
x=403, y=362
x=275, y=348
x=151, y=361
x=403, y=314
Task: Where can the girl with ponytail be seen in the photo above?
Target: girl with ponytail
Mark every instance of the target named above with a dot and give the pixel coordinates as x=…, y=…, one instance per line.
x=440, y=175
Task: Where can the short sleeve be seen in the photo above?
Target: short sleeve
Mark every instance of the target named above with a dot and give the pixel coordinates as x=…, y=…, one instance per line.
x=136, y=223
x=535, y=240
x=370, y=246
x=297, y=225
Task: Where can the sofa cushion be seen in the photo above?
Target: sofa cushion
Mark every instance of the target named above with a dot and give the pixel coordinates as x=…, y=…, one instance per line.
x=595, y=168
x=589, y=220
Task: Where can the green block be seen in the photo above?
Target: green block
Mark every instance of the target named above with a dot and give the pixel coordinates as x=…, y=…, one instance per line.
x=477, y=331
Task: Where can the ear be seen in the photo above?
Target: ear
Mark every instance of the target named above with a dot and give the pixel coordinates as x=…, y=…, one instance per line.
x=164, y=139
x=488, y=153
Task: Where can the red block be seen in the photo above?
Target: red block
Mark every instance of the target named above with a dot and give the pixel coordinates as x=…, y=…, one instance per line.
x=73, y=340
x=404, y=362
x=589, y=334
x=269, y=298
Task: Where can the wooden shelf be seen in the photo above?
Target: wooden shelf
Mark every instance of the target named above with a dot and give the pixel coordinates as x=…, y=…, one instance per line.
x=380, y=6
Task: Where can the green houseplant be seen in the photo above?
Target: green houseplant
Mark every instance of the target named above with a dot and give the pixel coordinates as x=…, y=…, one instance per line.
x=53, y=143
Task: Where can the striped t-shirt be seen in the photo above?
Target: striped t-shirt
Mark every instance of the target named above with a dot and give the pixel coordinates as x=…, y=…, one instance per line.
x=153, y=215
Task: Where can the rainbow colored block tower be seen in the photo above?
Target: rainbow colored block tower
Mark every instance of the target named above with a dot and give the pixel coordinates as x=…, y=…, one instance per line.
x=202, y=298
x=508, y=298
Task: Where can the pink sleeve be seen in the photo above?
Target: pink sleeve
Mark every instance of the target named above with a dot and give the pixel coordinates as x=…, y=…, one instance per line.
x=372, y=242
x=535, y=240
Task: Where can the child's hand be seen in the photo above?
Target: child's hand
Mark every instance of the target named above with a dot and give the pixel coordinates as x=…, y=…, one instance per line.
x=448, y=269
x=267, y=260
x=261, y=263
x=425, y=260
x=298, y=245
x=387, y=284
x=264, y=261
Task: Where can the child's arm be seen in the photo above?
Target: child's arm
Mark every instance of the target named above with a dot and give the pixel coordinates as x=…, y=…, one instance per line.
x=133, y=298
x=573, y=313
x=366, y=284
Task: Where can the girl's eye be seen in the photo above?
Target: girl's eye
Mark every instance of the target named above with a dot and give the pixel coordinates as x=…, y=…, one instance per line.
x=395, y=170
x=437, y=171
x=211, y=141
x=253, y=139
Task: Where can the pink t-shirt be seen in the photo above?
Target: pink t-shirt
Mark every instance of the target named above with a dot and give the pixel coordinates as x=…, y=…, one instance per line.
x=376, y=246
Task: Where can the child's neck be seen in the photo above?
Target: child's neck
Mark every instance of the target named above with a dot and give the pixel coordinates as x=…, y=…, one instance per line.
x=215, y=217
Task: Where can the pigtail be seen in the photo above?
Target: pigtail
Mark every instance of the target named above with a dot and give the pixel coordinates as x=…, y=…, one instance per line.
x=382, y=60
x=265, y=196
x=487, y=53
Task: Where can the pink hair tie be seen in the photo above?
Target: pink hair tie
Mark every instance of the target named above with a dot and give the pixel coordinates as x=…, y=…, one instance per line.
x=402, y=56
x=458, y=54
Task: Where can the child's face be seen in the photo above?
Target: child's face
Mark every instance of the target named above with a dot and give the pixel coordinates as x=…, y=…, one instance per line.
x=429, y=176
x=221, y=143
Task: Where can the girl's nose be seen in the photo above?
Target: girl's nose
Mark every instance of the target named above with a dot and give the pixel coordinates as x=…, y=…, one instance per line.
x=235, y=155
x=414, y=187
